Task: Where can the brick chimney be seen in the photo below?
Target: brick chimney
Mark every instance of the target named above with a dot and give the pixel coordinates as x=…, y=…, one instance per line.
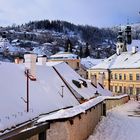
x=18, y=60
x=30, y=63
x=42, y=60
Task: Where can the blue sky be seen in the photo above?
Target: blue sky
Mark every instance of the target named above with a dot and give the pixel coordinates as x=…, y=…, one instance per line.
x=101, y=13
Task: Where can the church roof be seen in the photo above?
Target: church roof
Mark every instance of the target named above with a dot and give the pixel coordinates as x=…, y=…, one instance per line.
x=123, y=61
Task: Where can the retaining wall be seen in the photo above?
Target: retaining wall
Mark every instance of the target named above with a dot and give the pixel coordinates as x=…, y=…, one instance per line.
x=78, y=127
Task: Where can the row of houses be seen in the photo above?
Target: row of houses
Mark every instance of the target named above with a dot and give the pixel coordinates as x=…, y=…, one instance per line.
x=31, y=89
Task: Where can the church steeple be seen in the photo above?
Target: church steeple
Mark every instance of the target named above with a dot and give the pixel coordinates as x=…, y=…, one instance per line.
x=121, y=44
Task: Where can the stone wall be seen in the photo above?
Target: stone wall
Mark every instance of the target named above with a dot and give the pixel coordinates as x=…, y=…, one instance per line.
x=113, y=102
x=78, y=127
x=81, y=126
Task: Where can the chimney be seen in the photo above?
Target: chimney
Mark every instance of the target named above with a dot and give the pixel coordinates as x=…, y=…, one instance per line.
x=94, y=80
x=42, y=60
x=18, y=60
x=134, y=49
x=30, y=63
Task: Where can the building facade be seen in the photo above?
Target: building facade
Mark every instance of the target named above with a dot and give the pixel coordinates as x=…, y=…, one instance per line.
x=71, y=59
x=120, y=72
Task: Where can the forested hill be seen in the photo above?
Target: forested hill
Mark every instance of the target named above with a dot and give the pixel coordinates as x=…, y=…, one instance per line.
x=37, y=33
x=89, y=34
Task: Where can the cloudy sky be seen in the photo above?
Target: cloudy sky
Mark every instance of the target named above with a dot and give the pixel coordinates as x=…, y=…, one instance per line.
x=92, y=12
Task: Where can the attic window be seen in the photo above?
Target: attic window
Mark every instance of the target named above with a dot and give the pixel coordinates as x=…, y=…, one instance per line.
x=84, y=83
x=126, y=59
x=76, y=83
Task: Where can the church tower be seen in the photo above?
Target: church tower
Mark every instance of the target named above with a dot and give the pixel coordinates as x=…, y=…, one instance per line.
x=121, y=44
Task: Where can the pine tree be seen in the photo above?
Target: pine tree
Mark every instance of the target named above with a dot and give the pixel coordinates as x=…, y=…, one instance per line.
x=81, y=52
x=87, y=51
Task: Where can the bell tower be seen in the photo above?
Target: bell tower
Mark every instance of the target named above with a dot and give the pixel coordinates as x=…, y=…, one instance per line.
x=121, y=44
x=128, y=36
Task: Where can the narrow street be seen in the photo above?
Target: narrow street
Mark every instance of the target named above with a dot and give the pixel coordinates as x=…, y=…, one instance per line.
x=121, y=123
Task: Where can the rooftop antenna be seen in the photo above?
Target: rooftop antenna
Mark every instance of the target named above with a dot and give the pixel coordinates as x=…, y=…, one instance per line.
x=27, y=90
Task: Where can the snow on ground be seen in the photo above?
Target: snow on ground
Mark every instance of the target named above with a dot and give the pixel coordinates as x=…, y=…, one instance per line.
x=121, y=123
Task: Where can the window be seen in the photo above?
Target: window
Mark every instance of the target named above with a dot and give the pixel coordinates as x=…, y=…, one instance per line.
x=120, y=76
x=111, y=88
x=124, y=90
x=124, y=76
x=137, y=76
x=120, y=89
x=130, y=77
x=115, y=76
x=115, y=88
x=130, y=90
x=137, y=90
x=77, y=64
x=104, y=75
x=42, y=136
x=111, y=76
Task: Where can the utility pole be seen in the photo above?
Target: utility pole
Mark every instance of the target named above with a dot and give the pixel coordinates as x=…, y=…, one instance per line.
x=27, y=90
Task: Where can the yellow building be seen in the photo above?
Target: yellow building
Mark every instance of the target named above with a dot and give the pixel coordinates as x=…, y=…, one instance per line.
x=71, y=59
x=120, y=73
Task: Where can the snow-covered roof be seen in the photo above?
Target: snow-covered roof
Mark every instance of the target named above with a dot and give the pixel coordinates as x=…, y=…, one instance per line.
x=64, y=55
x=102, y=91
x=47, y=44
x=71, y=112
x=53, y=63
x=122, y=61
x=82, y=108
x=90, y=62
x=69, y=75
x=4, y=43
x=38, y=51
x=133, y=44
x=45, y=94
